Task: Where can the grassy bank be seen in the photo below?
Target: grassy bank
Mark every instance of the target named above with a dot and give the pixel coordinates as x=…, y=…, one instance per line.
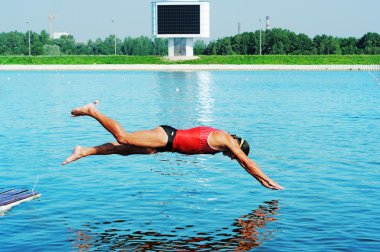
x=235, y=60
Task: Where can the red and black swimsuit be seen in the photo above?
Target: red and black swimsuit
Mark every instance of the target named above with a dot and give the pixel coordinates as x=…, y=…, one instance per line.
x=189, y=141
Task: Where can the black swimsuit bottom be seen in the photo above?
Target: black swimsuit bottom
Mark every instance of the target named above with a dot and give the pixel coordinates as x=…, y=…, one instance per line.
x=171, y=132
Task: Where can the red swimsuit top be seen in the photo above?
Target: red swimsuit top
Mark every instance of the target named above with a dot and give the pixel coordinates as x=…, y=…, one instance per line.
x=194, y=141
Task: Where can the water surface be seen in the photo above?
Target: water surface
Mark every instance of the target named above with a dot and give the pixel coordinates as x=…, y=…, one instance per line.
x=315, y=133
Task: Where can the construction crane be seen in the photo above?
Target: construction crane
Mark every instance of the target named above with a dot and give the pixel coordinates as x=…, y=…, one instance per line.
x=51, y=18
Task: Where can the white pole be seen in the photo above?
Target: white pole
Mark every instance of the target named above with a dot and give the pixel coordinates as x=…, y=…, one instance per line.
x=114, y=28
x=260, y=35
x=27, y=22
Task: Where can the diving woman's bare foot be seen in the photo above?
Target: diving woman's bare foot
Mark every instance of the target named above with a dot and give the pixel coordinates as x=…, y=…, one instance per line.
x=84, y=110
x=78, y=153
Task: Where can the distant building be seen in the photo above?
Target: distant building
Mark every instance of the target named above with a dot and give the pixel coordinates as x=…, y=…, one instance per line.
x=268, y=22
x=180, y=21
x=57, y=35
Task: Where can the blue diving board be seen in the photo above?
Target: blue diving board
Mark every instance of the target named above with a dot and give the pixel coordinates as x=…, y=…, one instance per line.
x=12, y=197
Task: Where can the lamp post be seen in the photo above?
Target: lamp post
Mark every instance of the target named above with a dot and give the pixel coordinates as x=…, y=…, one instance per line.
x=114, y=28
x=260, y=35
x=27, y=22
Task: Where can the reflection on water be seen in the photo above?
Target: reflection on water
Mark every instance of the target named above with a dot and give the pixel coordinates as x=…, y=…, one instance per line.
x=246, y=232
x=205, y=101
x=307, y=126
x=176, y=90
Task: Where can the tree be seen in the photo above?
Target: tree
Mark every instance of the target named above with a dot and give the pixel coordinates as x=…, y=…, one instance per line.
x=83, y=49
x=199, y=47
x=14, y=43
x=303, y=45
x=142, y=46
x=241, y=43
x=327, y=45
x=237, y=45
x=66, y=44
x=369, y=43
x=224, y=46
x=348, y=45
x=126, y=46
x=160, y=47
x=100, y=48
x=51, y=50
x=275, y=41
x=279, y=41
x=36, y=44
x=210, y=49
x=254, y=43
x=92, y=47
x=108, y=46
x=44, y=37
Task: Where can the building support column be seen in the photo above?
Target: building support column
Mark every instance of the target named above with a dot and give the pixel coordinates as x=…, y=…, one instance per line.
x=189, y=47
x=171, y=47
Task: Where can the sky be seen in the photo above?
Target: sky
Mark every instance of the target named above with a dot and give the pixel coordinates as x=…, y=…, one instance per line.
x=91, y=19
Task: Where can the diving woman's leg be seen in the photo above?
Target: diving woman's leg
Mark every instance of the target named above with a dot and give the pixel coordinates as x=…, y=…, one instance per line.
x=106, y=149
x=154, y=138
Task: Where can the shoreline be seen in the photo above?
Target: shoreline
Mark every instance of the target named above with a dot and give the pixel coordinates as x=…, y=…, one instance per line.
x=188, y=67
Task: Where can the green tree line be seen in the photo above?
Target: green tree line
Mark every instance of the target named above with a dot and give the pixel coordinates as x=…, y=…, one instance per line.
x=284, y=42
x=273, y=42
x=17, y=43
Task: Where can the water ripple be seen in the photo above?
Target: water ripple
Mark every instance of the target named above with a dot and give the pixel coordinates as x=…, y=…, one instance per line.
x=246, y=232
x=316, y=133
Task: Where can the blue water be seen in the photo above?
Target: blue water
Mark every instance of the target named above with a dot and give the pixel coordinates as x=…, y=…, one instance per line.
x=315, y=133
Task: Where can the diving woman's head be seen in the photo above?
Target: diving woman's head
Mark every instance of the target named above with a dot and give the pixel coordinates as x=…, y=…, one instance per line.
x=244, y=146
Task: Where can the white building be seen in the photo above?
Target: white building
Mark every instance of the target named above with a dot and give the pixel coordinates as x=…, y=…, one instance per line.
x=57, y=35
x=180, y=21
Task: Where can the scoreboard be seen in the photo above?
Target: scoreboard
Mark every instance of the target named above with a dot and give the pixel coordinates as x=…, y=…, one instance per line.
x=180, y=19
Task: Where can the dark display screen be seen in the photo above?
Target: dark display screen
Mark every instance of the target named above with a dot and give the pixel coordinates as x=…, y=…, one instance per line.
x=178, y=19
